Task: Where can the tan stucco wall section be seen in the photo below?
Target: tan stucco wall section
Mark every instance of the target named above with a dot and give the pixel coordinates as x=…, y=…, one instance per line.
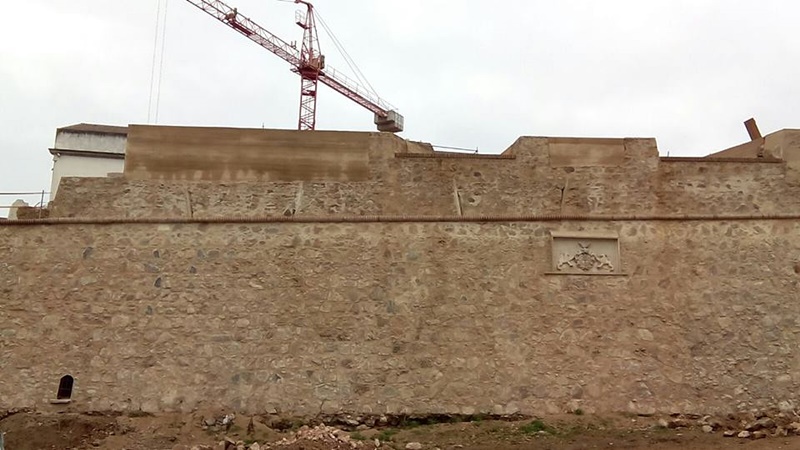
x=230, y=154
x=747, y=150
x=784, y=144
x=583, y=152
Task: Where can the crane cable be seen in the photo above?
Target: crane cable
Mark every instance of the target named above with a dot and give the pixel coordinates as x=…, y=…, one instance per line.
x=348, y=59
x=161, y=64
x=157, y=70
x=153, y=65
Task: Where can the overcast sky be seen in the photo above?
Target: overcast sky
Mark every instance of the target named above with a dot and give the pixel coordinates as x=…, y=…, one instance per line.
x=464, y=73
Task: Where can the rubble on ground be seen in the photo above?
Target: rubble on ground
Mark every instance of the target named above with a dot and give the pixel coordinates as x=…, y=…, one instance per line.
x=756, y=425
x=334, y=437
x=321, y=436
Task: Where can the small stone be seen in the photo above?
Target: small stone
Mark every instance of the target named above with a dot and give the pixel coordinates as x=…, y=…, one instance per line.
x=96, y=443
x=362, y=427
x=744, y=435
x=413, y=446
x=708, y=429
x=678, y=423
x=760, y=424
x=760, y=434
x=662, y=423
x=209, y=422
x=794, y=427
x=786, y=407
x=729, y=433
x=377, y=443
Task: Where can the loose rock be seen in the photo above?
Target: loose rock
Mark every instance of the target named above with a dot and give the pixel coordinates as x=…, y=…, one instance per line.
x=761, y=424
x=760, y=434
x=744, y=435
x=413, y=446
x=708, y=429
x=678, y=423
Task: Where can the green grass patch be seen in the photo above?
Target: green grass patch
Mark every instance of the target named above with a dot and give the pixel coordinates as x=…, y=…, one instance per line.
x=536, y=427
x=387, y=435
x=358, y=436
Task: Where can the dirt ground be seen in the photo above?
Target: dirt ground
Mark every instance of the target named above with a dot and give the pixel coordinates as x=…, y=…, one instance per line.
x=44, y=431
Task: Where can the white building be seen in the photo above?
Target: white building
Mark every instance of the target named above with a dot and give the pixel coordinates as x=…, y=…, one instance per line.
x=87, y=150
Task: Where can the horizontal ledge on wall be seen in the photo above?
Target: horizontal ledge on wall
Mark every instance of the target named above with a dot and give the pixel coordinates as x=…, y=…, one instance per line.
x=398, y=219
x=575, y=274
x=584, y=235
x=87, y=153
x=444, y=155
x=721, y=160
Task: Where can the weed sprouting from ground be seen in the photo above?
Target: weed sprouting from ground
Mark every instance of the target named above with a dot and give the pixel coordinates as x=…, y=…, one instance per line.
x=358, y=436
x=386, y=435
x=535, y=427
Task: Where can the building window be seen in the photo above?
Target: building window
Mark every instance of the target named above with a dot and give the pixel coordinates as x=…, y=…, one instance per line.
x=65, y=388
x=581, y=253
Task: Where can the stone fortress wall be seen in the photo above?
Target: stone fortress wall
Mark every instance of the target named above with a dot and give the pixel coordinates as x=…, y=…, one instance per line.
x=562, y=274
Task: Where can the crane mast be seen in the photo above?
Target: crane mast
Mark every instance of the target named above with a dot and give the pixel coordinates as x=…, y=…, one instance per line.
x=311, y=64
x=308, y=62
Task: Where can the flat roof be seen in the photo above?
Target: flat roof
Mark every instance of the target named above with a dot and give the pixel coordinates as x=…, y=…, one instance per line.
x=95, y=128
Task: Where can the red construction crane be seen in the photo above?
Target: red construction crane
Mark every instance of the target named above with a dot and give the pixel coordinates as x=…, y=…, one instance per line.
x=308, y=62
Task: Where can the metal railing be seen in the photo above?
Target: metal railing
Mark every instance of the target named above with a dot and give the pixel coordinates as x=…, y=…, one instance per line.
x=40, y=205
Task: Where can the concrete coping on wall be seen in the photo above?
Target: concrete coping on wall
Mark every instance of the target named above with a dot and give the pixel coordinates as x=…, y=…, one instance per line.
x=451, y=155
x=591, y=274
x=690, y=159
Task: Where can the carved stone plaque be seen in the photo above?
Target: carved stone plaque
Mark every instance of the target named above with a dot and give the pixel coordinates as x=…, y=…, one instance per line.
x=586, y=253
